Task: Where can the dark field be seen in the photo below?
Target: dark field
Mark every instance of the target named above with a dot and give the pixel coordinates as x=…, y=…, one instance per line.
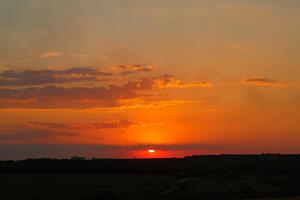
x=198, y=177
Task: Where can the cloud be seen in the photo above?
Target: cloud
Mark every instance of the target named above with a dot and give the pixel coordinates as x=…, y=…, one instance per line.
x=50, y=125
x=92, y=75
x=23, y=151
x=52, y=96
x=113, y=124
x=50, y=54
x=167, y=81
x=15, y=61
x=152, y=103
x=73, y=97
x=131, y=69
x=262, y=81
x=92, y=125
x=42, y=77
x=24, y=133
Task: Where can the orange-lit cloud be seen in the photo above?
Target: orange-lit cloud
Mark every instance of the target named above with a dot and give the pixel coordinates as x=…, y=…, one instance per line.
x=262, y=81
x=149, y=103
x=51, y=54
x=15, y=61
x=131, y=69
x=25, y=133
x=21, y=151
x=92, y=125
x=167, y=81
x=52, y=96
x=43, y=77
x=77, y=74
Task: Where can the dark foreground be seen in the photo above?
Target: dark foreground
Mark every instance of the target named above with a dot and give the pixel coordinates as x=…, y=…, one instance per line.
x=199, y=177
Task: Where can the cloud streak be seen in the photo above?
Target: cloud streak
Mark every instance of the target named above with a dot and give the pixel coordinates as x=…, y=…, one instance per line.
x=262, y=81
x=50, y=54
x=44, y=77
x=71, y=75
x=25, y=134
x=131, y=69
x=92, y=125
x=167, y=81
x=52, y=96
x=22, y=151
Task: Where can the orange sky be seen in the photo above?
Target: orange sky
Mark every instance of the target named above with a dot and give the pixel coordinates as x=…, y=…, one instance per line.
x=116, y=78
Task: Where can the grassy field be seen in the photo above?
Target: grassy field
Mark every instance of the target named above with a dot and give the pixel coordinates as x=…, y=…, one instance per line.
x=199, y=177
x=79, y=186
x=117, y=186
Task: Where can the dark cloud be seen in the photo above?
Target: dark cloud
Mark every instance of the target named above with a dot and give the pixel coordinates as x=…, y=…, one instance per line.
x=50, y=125
x=22, y=151
x=50, y=54
x=131, y=69
x=60, y=97
x=173, y=147
x=262, y=81
x=52, y=96
x=167, y=81
x=78, y=74
x=74, y=97
x=25, y=133
x=43, y=77
x=91, y=125
x=113, y=124
x=259, y=79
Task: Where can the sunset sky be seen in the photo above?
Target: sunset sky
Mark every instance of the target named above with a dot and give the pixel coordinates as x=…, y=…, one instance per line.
x=115, y=78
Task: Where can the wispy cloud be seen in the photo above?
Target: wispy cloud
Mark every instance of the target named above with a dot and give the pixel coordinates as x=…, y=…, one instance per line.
x=50, y=54
x=43, y=77
x=25, y=133
x=77, y=74
x=55, y=89
x=114, y=124
x=15, y=61
x=131, y=69
x=262, y=81
x=91, y=125
x=22, y=151
x=52, y=96
x=167, y=81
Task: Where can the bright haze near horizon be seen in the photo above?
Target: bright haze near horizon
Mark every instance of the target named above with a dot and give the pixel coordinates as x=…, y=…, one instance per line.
x=115, y=79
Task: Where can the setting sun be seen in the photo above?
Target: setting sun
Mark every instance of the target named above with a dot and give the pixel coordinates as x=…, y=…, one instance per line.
x=131, y=88
x=151, y=151
x=159, y=99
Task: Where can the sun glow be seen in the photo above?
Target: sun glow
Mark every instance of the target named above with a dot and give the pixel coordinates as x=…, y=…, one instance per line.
x=151, y=150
